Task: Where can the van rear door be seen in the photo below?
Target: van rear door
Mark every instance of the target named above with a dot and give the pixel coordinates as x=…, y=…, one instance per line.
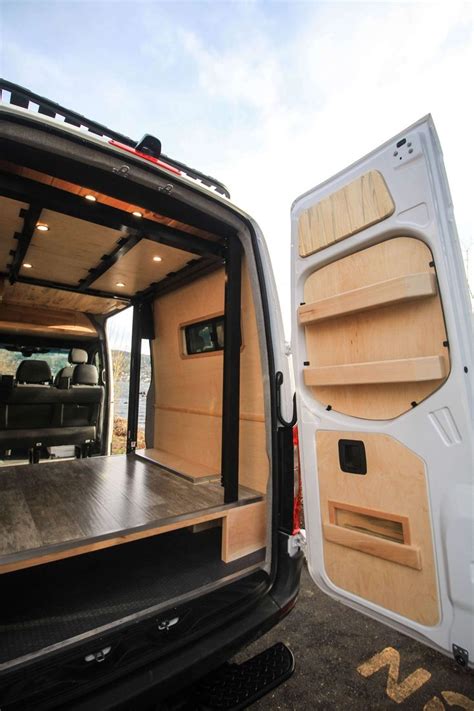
x=381, y=351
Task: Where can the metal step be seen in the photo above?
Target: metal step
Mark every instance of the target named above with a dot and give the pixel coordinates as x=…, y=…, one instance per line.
x=235, y=686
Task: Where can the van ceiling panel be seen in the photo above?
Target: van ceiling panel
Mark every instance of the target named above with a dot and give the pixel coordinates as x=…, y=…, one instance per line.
x=45, y=322
x=10, y=223
x=37, y=296
x=69, y=249
x=137, y=269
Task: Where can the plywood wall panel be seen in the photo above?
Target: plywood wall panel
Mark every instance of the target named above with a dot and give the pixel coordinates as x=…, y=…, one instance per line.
x=188, y=394
x=10, y=223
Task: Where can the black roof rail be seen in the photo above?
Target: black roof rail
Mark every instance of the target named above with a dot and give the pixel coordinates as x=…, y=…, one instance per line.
x=20, y=96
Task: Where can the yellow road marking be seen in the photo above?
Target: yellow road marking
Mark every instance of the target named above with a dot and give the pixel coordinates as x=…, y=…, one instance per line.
x=397, y=691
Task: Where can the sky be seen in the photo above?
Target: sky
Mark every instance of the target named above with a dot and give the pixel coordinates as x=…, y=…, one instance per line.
x=271, y=98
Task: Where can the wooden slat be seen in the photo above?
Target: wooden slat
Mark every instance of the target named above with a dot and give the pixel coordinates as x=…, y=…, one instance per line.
x=193, y=471
x=405, y=370
x=390, y=291
x=362, y=203
x=379, y=547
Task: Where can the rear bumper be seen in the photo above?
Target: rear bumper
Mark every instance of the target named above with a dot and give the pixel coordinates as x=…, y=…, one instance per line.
x=193, y=661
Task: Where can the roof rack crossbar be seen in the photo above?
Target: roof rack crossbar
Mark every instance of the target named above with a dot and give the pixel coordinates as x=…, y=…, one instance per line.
x=20, y=96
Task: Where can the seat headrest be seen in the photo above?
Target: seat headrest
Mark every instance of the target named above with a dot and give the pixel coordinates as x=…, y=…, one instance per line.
x=85, y=374
x=77, y=356
x=33, y=372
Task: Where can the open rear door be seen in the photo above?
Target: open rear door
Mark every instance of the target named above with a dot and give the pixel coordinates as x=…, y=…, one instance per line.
x=381, y=350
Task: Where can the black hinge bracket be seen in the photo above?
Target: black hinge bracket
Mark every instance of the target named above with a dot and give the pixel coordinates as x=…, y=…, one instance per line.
x=281, y=419
x=461, y=656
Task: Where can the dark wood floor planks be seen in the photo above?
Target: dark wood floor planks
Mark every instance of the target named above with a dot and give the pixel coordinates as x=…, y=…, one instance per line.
x=81, y=500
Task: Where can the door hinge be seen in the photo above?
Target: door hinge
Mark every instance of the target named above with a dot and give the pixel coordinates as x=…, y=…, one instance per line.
x=297, y=543
x=461, y=656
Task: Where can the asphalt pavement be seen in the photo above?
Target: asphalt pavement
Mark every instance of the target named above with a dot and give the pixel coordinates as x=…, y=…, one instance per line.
x=338, y=651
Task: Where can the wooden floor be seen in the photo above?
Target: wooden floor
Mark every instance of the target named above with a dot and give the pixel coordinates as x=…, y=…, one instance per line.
x=59, y=509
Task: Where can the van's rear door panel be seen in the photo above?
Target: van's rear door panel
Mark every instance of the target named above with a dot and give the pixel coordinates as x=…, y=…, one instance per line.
x=381, y=351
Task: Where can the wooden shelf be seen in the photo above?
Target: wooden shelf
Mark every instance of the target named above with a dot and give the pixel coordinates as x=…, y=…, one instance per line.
x=405, y=370
x=382, y=293
x=192, y=471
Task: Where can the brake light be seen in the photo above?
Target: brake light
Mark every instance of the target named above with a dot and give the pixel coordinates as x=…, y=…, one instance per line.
x=298, y=491
x=152, y=159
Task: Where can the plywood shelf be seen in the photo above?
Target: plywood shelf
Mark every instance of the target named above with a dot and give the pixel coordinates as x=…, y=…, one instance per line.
x=382, y=293
x=404, y=370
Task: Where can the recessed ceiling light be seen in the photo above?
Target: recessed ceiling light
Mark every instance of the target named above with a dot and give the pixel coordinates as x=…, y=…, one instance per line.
x=91, y=198
x=137, y=213
x=157, y=259
x=27, y=266
x=120, y=284
x=42, y=227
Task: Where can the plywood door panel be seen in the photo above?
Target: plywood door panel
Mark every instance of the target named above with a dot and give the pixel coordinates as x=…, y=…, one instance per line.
x=397, y=331
x=363, y=202
x=403, y=578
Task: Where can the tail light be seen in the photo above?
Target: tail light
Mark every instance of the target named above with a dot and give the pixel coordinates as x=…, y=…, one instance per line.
x=298, y=493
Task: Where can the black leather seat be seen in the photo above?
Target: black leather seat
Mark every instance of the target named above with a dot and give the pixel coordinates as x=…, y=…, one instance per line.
x=77, y=356
x=34, y=413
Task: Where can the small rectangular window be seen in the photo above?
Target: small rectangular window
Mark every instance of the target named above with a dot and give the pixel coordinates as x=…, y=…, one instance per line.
x=205, y=336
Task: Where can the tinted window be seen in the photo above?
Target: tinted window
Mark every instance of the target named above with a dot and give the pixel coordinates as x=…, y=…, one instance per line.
x=205, y=336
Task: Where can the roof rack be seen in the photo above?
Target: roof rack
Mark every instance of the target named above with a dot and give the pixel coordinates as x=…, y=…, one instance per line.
x=22, y=97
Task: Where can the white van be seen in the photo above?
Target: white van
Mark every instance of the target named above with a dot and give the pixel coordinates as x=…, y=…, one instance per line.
x=135, y=573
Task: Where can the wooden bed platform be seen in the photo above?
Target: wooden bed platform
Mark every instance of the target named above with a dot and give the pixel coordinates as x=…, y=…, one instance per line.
x=57, y=510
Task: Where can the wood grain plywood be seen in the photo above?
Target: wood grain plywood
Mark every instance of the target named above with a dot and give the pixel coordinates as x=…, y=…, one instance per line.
x=137, y=270
x=395, y=483
x=397, y=331
x=40, y=296
x=102, y=198
x=244, y=531
x=10, y=223
x=45, y=322
x=188, y=393
x=69, y=249
x=61, y=509
x=382, y=293
x=360, y=204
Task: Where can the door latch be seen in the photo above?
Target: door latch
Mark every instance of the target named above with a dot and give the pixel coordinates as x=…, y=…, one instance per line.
x=461, y=656
x=297, y=543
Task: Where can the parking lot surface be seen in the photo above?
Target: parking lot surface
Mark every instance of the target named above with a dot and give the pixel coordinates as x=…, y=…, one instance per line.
x=337, y=653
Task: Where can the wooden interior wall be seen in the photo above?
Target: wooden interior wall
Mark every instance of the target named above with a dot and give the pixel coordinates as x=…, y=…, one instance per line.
x=371, y=561
x=10, y=223
x=375, y=333
x=188, y=390
x=45, y=322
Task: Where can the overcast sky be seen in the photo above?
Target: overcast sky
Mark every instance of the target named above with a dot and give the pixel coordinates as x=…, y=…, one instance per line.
x=269, y=97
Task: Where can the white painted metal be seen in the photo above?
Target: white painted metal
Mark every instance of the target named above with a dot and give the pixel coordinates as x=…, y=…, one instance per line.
x=439, y=429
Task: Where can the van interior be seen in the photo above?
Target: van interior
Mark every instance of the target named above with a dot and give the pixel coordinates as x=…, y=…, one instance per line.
x=89, y=539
